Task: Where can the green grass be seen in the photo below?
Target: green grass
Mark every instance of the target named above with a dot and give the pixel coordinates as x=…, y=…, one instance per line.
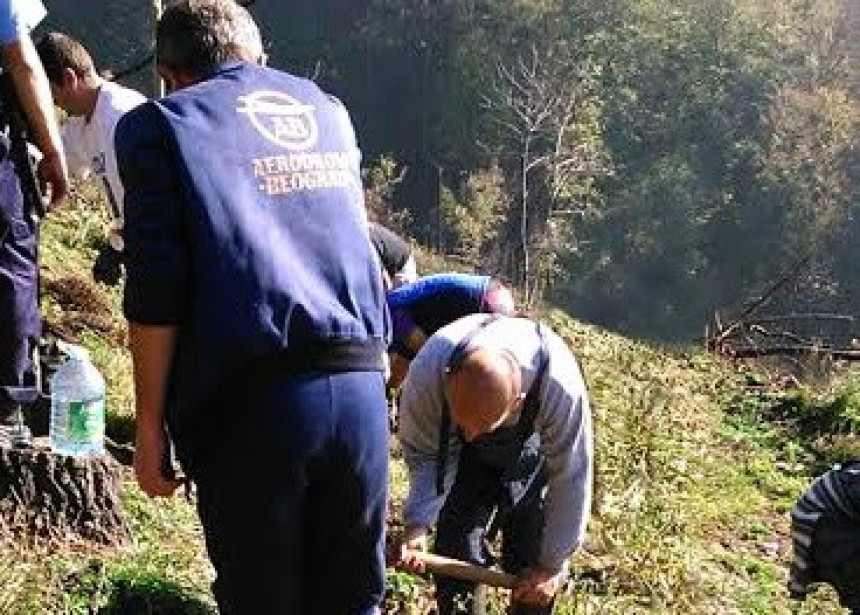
x=698, y=463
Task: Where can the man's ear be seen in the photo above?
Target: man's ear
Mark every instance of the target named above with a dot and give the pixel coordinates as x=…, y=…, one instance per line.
x=175, y=79
x=70, y=80
x=168, y=75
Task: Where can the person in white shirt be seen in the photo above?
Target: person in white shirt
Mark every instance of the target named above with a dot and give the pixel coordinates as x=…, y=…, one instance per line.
x=94, y=107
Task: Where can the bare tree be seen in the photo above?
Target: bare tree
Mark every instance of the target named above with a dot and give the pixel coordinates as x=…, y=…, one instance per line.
x=551, y=126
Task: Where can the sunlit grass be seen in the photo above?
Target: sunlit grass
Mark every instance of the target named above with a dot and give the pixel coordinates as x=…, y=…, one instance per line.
x=698, y=463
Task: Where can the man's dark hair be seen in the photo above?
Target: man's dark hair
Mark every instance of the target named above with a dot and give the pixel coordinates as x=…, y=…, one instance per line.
x=194, y=36
x=60, y=51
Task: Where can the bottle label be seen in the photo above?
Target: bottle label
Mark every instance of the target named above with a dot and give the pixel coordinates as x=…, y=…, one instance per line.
x=87, y=421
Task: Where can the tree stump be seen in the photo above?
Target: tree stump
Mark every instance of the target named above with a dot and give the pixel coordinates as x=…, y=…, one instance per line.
x=59, y=497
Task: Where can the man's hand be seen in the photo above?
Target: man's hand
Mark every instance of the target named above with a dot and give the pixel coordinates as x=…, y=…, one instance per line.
x=53, y=172
x=149, y=451
x=107, y=267
x=411, y=539
x=537, y=587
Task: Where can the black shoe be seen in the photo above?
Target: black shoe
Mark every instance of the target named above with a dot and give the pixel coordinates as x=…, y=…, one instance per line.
x=15, y=436
x=14, y=433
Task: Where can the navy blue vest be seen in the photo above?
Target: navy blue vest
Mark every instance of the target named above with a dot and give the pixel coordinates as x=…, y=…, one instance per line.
x=276, y=269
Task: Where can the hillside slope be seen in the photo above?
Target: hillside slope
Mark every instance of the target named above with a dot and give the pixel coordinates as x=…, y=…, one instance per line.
x=696, y=472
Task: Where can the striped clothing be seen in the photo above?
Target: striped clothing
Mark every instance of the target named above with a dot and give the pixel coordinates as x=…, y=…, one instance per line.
x=835, y=496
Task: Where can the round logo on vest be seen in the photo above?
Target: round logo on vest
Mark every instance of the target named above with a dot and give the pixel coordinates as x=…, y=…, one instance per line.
x=280, y=118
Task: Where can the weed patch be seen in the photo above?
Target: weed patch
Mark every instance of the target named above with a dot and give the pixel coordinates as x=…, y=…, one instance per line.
x=698, y=463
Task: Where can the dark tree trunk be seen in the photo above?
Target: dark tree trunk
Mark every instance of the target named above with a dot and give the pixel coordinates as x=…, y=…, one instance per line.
x=60, y=498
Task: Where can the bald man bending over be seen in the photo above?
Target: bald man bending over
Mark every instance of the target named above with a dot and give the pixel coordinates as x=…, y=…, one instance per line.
x=496, y=432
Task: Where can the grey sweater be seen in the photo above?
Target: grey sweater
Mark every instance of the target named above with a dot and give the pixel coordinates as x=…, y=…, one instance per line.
x=563, y=422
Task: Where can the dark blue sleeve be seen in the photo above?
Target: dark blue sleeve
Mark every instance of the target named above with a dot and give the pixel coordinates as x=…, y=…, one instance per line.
x=439, y=286
x=155, y=253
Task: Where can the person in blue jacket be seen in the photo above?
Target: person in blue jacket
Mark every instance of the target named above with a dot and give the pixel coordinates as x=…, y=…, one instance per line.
x=20, y=324
x=257, y=319
x=423, y=307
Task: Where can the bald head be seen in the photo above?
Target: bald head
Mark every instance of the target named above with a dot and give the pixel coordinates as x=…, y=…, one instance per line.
x=484, y=391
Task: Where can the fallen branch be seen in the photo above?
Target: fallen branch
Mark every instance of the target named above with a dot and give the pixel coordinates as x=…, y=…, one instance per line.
x=748, y=352
x=805, y=316
x=787, y=335
x=791, y=274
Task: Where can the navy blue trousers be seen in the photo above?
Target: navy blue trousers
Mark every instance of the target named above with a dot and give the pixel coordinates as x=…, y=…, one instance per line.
x=292, y=497
x=19, y=306
x=480, y=491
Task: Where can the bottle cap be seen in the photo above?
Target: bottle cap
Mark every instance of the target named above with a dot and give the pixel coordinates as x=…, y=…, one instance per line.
x=73, y=351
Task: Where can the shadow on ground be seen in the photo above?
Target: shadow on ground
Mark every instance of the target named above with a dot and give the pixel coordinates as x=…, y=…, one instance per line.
x=153, y=596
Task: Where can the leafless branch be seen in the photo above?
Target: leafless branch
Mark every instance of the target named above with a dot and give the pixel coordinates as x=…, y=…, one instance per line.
x=787, y=335
x=749, y=352
x=806, y=316
x=791, y=274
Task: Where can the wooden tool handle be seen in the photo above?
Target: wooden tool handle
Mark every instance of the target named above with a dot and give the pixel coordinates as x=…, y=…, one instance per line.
x=464, y=571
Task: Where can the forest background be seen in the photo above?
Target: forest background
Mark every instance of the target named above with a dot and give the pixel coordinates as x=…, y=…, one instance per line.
x=642, y=163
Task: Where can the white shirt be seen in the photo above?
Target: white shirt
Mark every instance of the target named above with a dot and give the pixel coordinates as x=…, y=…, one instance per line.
x=90, y=148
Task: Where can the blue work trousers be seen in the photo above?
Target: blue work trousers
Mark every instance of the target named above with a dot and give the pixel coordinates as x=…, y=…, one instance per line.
x=19, y=304
x=292, y=495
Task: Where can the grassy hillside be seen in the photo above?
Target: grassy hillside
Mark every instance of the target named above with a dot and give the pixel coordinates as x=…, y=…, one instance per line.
x=698, y=464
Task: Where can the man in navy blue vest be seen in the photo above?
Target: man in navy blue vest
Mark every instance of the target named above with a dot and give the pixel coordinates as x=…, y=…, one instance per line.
x=257, y=318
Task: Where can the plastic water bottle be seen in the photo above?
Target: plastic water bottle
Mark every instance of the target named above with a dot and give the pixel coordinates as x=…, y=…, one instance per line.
x=77, y=405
